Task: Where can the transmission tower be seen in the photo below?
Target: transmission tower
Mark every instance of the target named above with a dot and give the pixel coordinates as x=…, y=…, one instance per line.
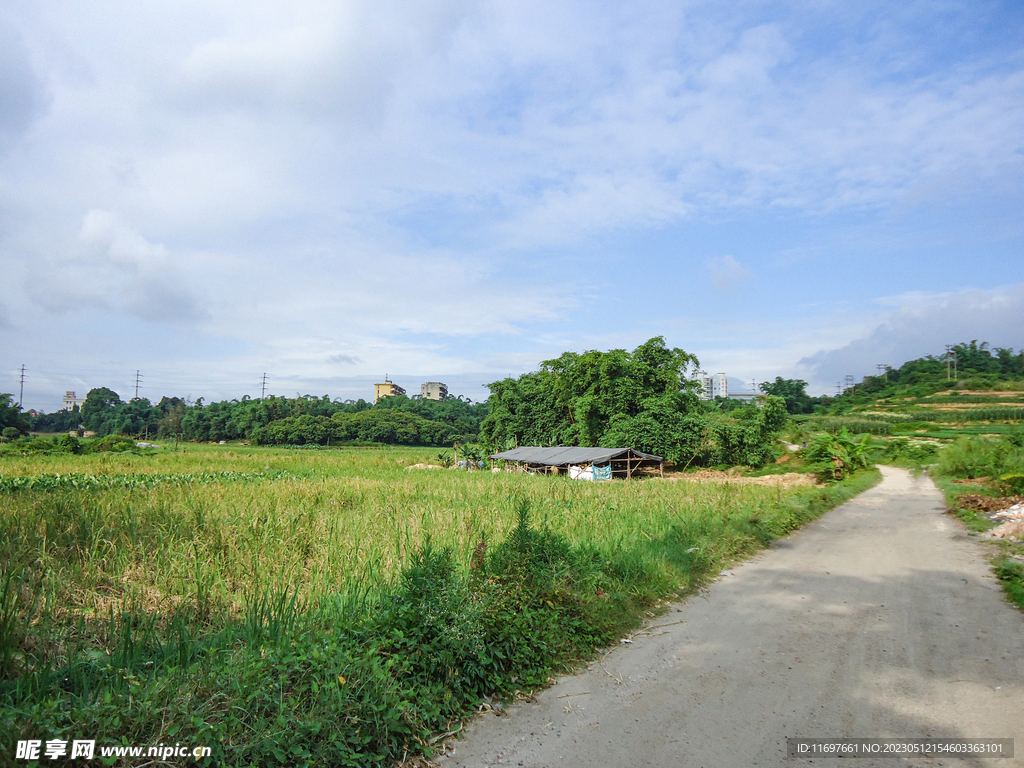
x=951, y=362
x=883, y=369
x=263, y=389
x=138, y=383
x=849, y=382
x=21, y=392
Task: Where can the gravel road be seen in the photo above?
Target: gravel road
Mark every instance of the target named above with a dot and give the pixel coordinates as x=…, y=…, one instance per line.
x=880, y=619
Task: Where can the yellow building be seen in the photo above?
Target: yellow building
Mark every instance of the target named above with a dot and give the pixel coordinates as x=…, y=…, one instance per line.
x=387, y=389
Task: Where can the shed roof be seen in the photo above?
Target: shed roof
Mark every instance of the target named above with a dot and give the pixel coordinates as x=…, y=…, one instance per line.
x=558, y=455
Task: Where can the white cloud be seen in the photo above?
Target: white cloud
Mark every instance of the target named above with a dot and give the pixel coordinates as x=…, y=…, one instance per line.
x=726, y=272
x=381, y=181
x=923, y=324
x=116, y=269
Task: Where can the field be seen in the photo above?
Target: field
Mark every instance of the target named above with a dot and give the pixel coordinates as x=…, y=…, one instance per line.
x=943, y=415
x=329, y=605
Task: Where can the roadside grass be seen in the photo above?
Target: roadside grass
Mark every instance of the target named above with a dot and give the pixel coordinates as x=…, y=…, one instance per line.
x=342, y=609
x=1008, y=556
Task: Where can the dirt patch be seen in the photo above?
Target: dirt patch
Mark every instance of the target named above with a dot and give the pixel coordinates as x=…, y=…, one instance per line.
x=787, y=480
x=959, y=392
x=424, y=466
x=972, y=502
x=967, y=406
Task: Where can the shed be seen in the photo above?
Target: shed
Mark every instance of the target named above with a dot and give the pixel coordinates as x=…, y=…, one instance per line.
x=557, y=459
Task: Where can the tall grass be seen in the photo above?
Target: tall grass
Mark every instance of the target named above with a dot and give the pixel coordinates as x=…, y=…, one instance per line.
x=971, y=457
x=342, y=612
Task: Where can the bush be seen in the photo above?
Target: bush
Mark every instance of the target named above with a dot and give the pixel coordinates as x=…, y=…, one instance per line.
x=69, y=444
x=839, y=455
x=902, y=449
x=972, y=457
x=109, y=444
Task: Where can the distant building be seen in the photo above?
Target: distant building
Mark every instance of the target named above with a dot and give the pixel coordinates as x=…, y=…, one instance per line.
x=720, y=385
x=704, y=393
x=433, y=390
x=387, y=389
x=70, y=401
x=745, y=397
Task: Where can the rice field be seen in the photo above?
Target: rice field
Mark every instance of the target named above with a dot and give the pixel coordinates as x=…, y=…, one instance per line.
x=168, y=570
x=329, y=521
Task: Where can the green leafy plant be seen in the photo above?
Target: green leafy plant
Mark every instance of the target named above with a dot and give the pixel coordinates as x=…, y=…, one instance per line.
x=841, y=453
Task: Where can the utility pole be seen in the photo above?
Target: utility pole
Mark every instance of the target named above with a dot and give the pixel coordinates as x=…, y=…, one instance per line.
x=21, y=393
x=138, y=379
x=263, y=389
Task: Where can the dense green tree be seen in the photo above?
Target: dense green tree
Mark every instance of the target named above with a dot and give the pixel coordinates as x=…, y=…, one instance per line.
x=59, y=421
x=383, y=425
x=793, y=391
x=573, y=399
x=11, y=415
x=643, y=399
x=99, y=410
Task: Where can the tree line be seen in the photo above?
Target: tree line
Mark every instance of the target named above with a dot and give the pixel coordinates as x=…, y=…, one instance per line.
x=273, y=420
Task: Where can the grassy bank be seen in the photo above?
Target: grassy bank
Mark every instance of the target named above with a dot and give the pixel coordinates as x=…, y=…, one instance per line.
x=979, y=475
x=334, y=607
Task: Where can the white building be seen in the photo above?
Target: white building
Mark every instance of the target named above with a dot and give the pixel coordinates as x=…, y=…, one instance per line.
x=720, y=386
x=70, y=401
x=704, y=393
x=433, y=390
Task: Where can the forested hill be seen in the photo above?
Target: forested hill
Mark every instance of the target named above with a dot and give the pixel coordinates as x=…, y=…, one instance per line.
x=972, y=366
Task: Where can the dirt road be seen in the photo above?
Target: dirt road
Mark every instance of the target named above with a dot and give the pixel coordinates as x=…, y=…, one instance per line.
x=880, y=619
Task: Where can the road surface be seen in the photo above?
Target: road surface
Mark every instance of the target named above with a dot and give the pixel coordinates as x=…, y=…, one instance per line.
x=881, y=619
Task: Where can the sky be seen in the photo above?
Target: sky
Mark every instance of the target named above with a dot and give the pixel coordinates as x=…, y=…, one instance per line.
x=326, y=193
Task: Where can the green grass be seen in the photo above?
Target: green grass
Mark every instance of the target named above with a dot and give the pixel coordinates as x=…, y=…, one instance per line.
x=336, y=607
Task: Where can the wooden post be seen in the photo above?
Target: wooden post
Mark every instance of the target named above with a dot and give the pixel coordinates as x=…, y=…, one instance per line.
x=629, y=467
x=661, y=469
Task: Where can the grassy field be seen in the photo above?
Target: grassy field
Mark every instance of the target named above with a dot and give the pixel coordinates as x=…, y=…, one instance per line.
x=334, y=606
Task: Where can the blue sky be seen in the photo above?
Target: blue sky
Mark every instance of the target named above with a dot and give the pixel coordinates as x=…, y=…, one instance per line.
x=328, y=192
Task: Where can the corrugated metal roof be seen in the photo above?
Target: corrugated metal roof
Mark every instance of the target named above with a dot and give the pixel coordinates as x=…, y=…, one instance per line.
x=559, y=455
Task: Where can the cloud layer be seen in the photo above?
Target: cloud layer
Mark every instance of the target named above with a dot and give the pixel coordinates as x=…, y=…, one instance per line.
x=376, y=186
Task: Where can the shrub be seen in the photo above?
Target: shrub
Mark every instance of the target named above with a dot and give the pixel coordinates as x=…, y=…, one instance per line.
x=971, y=457
x=110, y=443
x=69, y=444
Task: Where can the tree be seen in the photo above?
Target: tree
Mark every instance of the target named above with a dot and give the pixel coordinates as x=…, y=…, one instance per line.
x=793, y=391
x=574, y=399
x=99, y=408
x=11, y=415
